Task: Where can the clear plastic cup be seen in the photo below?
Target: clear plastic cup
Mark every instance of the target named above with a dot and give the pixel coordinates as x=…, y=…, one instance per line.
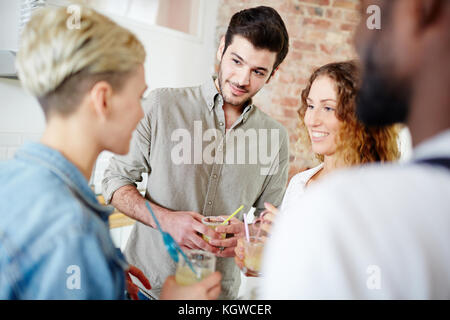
x=213, y=222
x=204, y=264
x=253, y=251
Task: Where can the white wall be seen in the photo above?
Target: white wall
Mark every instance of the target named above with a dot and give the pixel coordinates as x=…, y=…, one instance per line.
x=174, y=59
x=21, y=118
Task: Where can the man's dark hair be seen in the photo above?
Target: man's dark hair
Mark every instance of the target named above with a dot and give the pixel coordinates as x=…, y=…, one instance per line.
x=263, y=27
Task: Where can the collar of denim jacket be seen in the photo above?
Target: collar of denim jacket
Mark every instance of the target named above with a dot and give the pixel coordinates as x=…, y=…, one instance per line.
x=66, y=171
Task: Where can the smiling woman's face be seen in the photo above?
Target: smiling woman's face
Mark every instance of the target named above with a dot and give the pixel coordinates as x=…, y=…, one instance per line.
x=320, y=117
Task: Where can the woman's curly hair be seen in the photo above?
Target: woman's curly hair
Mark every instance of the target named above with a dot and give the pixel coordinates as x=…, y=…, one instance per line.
x=356, y=143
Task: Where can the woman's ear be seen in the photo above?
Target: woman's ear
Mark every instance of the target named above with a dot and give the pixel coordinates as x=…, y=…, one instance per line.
x=221, y=48
x=101, y=94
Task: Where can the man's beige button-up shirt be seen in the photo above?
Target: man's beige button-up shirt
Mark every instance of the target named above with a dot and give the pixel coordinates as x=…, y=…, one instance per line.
x=195, y=164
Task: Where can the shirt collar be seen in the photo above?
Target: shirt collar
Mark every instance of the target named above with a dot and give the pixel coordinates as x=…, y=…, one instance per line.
x=435, y=147
x=309, y=173
x=247, y=111
x=213, y=97
x=210, y=93
x=66, y=171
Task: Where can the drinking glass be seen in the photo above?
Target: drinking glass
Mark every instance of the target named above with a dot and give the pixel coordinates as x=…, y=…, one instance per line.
x=204, y=264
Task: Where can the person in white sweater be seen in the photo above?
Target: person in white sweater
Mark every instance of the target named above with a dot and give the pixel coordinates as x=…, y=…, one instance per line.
x=380, y=231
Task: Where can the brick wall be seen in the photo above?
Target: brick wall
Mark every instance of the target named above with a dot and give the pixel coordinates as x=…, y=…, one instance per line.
x=320, y=31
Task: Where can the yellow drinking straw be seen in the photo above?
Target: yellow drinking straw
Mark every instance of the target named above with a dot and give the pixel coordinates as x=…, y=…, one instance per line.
x=232, y=215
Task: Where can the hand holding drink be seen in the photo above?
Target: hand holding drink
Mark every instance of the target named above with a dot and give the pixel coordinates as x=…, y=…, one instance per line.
x=249, y=252
x=213, y=222
x=253, y=250
x=250, y=248
x=234, y=231
x=271, y=212
x=229, y=229
x=206, y=289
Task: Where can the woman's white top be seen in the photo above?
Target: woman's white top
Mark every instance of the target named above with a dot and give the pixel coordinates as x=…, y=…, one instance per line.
x=297, y=185
x=380, y=231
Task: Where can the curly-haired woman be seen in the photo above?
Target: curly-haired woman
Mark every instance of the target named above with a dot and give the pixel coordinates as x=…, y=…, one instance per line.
x=330, y=130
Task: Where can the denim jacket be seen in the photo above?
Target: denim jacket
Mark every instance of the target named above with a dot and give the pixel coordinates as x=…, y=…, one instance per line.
x=54, y=235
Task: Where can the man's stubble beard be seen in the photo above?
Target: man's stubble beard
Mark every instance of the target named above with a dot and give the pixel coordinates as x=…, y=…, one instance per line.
x=227, y=99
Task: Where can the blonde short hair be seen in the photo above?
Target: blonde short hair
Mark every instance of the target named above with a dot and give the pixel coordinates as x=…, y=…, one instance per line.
x=57, y=63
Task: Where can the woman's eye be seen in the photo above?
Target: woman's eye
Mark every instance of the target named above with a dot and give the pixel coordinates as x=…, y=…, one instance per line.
x=236, y=61
x=310, y=106
x=329, y=109
x=259, y=73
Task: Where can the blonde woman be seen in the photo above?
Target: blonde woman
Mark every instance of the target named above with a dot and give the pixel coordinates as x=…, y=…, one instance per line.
x=55, y=242
x=330, y=129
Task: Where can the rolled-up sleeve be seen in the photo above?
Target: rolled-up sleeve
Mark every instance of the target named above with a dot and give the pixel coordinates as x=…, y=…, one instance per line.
x=276, y=180
x=128, y=169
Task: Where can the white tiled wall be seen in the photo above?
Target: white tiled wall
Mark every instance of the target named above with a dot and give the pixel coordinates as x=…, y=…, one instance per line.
x=11, y=141
x=21, y=118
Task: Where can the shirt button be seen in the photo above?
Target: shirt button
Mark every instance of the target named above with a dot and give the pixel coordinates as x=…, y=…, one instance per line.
x=210, y=104
x=221, y=124
x=215, y=176
x=210, y=202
